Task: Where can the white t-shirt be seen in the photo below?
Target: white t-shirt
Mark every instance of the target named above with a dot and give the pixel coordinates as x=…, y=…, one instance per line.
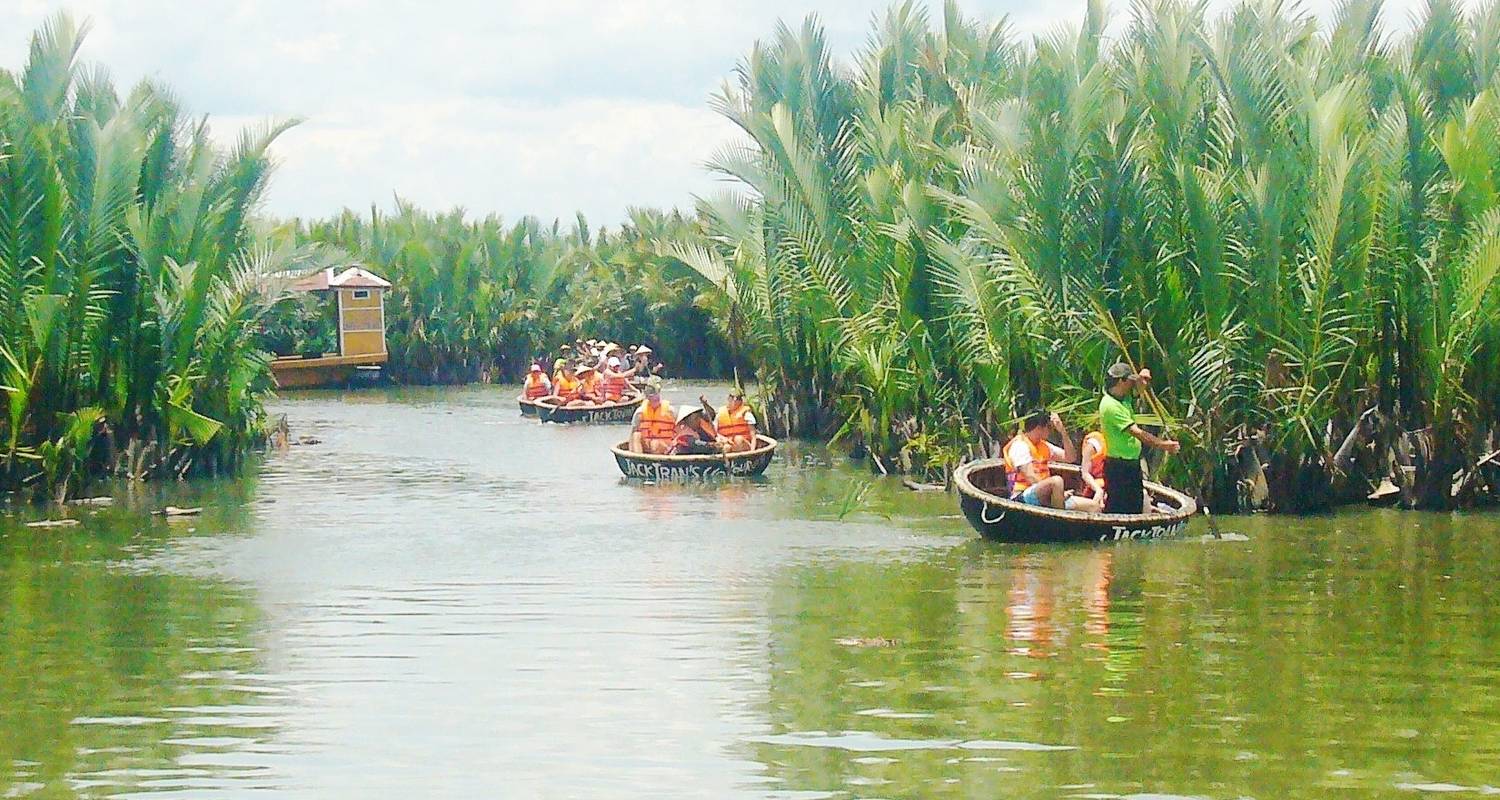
x=750, y=416
x=1020, y=452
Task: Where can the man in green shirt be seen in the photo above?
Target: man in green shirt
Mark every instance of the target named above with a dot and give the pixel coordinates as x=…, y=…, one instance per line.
x=1124, y=493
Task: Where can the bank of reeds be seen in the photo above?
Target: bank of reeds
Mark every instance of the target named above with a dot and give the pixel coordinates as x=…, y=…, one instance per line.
x=1295, y=226
x=478, y=299
x=130, y=286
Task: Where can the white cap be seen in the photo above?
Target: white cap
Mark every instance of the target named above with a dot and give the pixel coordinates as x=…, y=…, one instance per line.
x=614, y=362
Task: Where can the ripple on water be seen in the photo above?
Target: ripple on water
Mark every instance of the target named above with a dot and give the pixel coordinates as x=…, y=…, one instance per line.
x=1447, y=788
x=865, y=742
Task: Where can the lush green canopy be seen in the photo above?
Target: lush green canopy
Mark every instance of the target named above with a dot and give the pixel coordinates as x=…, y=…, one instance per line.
x=1290, y=224
x=130, y=281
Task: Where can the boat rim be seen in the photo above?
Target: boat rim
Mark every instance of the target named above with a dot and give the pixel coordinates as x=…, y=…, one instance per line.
x=621, y=449
x=1187, y=506
x=601, y=407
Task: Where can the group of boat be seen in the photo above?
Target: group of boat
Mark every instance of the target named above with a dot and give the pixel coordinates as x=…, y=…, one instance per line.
x=647, y=466
x=982, y=485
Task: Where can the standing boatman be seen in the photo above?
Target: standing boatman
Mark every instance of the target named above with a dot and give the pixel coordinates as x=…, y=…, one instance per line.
x=1123, y=439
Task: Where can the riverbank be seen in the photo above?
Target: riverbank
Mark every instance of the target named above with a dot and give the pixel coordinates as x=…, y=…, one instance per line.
x=441, y=592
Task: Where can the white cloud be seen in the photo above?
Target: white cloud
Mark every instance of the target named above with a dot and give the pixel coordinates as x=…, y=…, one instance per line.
x=510, y=106
x=594, y=155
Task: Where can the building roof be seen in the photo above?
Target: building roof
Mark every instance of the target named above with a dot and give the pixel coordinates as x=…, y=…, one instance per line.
x=359, y=278
x=351, y=278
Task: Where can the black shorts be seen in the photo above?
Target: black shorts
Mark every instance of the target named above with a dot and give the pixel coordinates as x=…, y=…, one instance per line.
x=1122, y=486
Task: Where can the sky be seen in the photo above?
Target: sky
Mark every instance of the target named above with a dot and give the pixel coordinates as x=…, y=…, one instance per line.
x=542, y=107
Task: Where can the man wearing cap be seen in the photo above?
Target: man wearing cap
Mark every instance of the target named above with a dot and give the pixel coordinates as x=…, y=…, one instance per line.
x=1123, y=439
x=653, y=429
x=616, y=379
x=538, y=385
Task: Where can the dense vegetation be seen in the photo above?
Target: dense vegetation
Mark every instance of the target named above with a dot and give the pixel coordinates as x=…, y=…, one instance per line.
x=130, y=283
x=478, y=299
x=1295, y=227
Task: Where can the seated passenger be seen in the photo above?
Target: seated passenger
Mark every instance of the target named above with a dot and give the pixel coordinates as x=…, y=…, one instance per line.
x=736, y=423
x=653, y=430
x=617, y=381
x=565, y=385
x=1028, y=463
x=1092, y=465
x=537, y=385
x=590, y=389
x=695, y=436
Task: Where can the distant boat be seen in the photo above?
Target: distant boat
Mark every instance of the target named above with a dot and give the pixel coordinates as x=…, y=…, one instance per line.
x=688, y=468
x=984, y=496
x=607, y=413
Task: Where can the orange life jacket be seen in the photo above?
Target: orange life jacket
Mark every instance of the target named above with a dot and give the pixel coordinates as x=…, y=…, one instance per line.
x=591, y=385
x=566, y=388
x=659, y=424
x=732, y=423
x=1041, y=459
x=615, y=385
x=1096, y=464
x=535, y=386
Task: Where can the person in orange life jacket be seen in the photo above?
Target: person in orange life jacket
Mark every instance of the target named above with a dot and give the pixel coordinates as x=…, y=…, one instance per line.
x=1028, y=459
x=695, y=436
x=653, y=430
x=735, y=423
x=591, y=389
x=1094, y=453
x=537, y=385
x=616, y=380
x=565, y=385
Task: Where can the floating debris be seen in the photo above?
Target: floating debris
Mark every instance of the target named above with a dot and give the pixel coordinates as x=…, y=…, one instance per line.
x=860, y=641
x=52, y=523
x=92, y=501
x=174, y=511
x=307, y=440
x=917, y=486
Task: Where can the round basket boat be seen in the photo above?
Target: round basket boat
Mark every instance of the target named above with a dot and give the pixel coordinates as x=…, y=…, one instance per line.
x=528, y=407
x=691, y=468
x=982, y=492
x=591, y=415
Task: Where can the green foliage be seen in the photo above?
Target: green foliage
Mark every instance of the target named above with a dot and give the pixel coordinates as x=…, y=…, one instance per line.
x=1289, y=225
x=473, y=299
x=129, y=292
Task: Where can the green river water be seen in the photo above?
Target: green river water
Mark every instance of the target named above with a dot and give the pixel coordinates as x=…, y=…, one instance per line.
x=443, y=599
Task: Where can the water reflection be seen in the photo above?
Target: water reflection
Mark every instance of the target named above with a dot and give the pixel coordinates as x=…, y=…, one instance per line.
x=119, y=680
x=1353, y=653
x=445, y=600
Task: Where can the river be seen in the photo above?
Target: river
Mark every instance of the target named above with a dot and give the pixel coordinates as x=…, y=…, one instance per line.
x=443, y=599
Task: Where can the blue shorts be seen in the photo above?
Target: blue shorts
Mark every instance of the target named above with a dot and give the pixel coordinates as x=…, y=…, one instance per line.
x=1029, y=497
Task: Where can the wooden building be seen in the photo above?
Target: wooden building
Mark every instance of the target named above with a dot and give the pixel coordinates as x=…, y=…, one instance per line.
x=360, y=296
